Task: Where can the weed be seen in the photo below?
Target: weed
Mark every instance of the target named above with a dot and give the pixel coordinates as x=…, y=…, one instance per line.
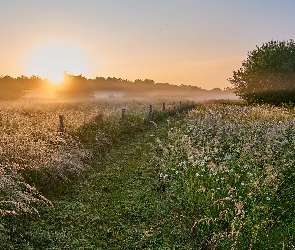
x=229, y=171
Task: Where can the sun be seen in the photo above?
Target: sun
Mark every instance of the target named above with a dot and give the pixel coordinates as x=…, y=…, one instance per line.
x=52, y=59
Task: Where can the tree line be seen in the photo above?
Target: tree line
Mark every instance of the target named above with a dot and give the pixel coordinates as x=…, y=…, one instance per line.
x=267, y=75
x=78, y=86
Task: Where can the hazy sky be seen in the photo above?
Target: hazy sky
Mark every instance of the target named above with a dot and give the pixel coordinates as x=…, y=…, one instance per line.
x=197, y=42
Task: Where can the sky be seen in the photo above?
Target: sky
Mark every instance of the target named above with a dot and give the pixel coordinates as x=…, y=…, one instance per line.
x=190, y=42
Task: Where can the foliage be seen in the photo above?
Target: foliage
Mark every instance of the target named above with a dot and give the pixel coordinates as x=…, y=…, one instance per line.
x=268, y=74
x=221, y=178
x=35, y=157
x=228, y=171
x=116, y=206
x=17, y=196
x=81, y=88
x=75, y=87
x=16, y=88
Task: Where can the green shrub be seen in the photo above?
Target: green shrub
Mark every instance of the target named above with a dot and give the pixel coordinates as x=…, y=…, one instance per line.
x=268, y=74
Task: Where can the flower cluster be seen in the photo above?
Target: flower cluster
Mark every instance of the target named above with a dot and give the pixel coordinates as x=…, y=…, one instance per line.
x=225, y=165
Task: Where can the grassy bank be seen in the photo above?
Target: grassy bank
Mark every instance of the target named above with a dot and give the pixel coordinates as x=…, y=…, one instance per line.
x=219, y=178
x=117, y=206
x=36, y=157
x=84, y=209
x=229, y=171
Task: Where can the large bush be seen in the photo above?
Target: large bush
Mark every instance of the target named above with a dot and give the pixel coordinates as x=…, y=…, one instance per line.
x=268, y=74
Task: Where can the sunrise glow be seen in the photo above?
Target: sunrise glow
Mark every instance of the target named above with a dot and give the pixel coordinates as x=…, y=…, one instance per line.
x=51, y=60
x=196, y=43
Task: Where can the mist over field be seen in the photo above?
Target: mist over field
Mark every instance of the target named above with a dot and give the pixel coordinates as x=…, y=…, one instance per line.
x=80, y=88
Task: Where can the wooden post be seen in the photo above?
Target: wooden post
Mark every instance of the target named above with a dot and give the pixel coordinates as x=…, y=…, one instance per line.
x=151, y=112
x=123, y=114
x=180, y=103
x=61, y=124
x=164, y=106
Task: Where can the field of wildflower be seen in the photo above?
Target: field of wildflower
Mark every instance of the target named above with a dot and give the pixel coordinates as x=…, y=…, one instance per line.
x=218, y=177
x=228, y=174
x=35, y=156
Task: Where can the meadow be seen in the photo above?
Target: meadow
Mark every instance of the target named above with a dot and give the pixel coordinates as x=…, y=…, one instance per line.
x=228, y=172
x=36, y=156
x=218, y=177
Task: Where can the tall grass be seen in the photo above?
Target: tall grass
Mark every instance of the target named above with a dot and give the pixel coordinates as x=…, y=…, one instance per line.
x=35, y=156
x=228, y=171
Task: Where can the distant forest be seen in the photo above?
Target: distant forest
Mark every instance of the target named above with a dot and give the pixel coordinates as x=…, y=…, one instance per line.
x=80, y=87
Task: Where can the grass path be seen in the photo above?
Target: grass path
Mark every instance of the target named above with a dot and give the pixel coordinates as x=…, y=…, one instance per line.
x=117, y=206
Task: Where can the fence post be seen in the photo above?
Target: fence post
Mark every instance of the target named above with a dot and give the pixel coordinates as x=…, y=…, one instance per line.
x=180, y=103
x=151, y=112
x=164, y=106
x=123, y=114
x=61, y=124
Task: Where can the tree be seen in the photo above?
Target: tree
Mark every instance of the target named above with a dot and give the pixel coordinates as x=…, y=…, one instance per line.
x=13, y=88
x=268, y=74
x=76, y=87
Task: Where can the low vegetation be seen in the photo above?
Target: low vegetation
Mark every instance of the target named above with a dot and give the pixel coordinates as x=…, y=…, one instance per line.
x=35, y=156
x=228, y=170
x=219, y=177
